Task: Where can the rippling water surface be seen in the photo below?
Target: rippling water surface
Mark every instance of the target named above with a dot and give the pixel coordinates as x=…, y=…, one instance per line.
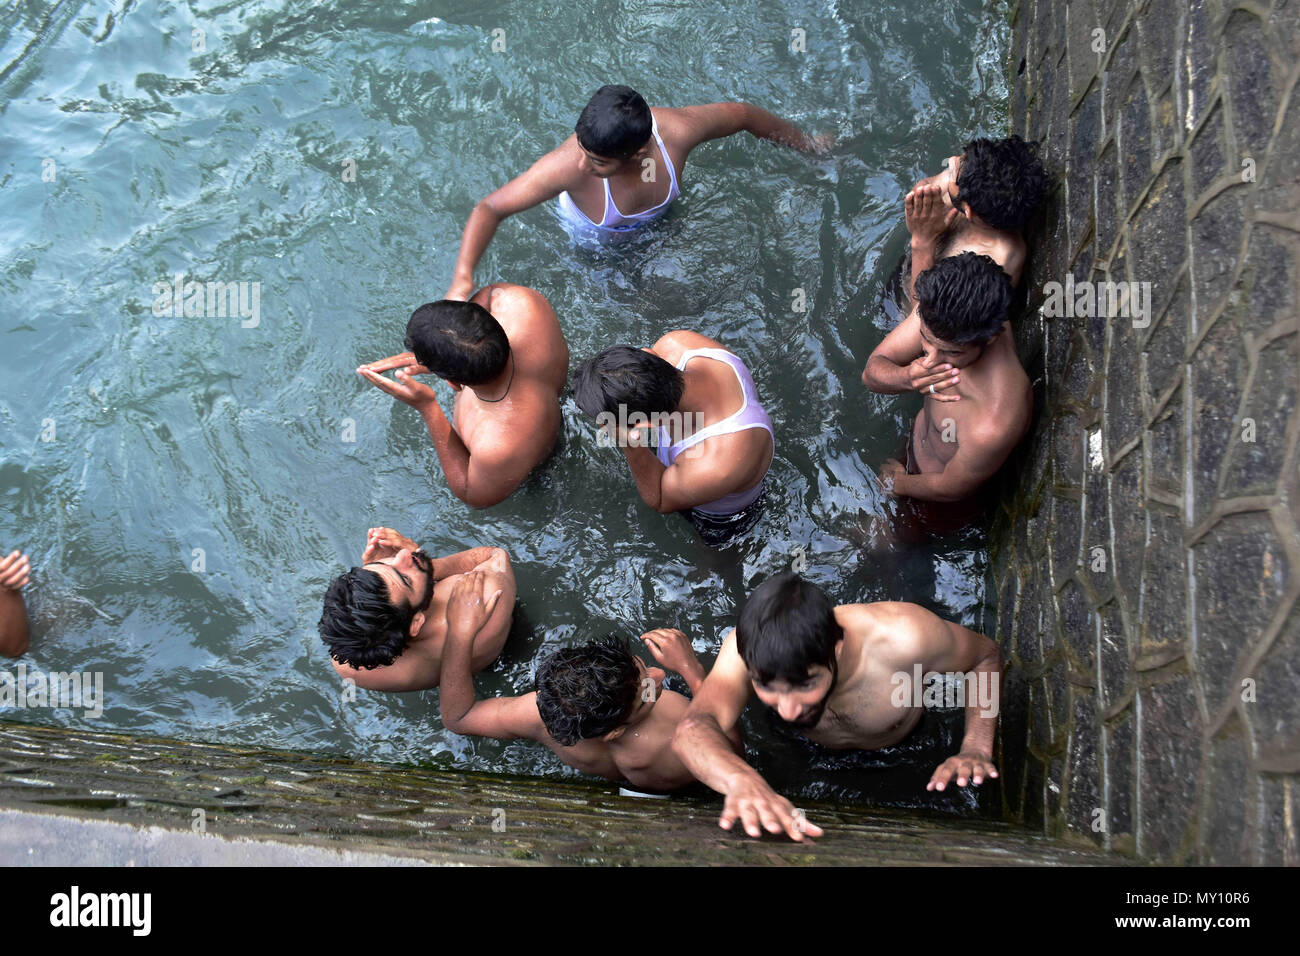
x=198, y=492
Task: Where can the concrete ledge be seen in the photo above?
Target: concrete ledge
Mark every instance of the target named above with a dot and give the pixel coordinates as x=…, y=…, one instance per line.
x=72, y=796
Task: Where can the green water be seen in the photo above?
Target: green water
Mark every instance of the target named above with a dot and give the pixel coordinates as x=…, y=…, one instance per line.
x=176, y=434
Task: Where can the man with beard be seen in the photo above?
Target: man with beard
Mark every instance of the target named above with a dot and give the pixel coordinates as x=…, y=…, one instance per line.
x=836, y=674
x=385, y=622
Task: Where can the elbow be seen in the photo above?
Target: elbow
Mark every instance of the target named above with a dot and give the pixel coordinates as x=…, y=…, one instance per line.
x=479, y=500
x=14, y=646
x=686, y=728
x=485, y=208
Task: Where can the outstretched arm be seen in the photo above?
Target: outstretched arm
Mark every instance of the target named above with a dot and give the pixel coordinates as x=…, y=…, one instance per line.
x=701, y=743
x=716, y=120
x=15, y=573
x=970, y=653
x=468, y=610
x=545, y=179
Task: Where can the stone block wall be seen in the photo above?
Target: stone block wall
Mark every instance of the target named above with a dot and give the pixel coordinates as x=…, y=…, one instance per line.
x=1145, y=556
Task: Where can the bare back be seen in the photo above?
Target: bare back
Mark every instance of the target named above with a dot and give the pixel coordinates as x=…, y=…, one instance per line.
x=517, y=432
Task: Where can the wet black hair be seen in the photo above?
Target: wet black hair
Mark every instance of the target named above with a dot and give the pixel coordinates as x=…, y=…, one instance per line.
x=1002, y=180
x=964, y=299
x=458, y=341
x=624, y=375
x=787, y=625
x=360, y=624
x=615, y=123
x=587, y=691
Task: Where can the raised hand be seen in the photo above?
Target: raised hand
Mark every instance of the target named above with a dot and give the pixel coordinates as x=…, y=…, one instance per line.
x=405, y=388
x=470, y=605
x=671, y=648
x=15, y=571
x=928, y=217
x=383, y=543
x=920, y=377
x=400, y=360
x=973, y=767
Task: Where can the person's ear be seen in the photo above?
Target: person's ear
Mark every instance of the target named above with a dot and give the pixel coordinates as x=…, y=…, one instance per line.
x=614, y=734
x=417, y=623
x=839, y=648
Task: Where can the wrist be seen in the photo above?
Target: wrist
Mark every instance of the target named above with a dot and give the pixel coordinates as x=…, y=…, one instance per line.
x=923, y=243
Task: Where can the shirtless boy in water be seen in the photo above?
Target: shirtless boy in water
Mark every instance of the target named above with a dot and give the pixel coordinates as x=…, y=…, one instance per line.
x=956, y=349
x=385, y=622
x=832, y=672
x=598, y=707
x=979, y=203
x=504, y=356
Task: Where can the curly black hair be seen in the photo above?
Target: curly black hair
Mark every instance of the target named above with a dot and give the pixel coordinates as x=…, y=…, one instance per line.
x=587, y=691
x=964, y=299
x=1002, y=180
x=360, y=624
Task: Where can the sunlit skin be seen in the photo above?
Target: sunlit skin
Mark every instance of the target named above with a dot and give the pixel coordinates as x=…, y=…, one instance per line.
x=501, y=429
x=980, y=409
x=638, y=751
x=848, y=707
x=715, y=467
x=634, y=186
x=392, y=556
x=941, y=225
x=15, y=574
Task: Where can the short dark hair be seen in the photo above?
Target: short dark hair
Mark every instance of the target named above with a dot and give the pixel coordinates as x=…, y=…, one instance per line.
x=615, y=123
x=587, y=691
x=458, y=341
x=360, y=624
x=1002, y=180
x=964, y=299
x=787, y=625
x=624, y=375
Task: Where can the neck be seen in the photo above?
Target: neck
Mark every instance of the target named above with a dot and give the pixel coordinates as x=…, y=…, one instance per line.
x=496, y=389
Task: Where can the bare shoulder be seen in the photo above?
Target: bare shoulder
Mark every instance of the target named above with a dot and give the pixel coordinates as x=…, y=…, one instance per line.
x=888, y=630
x=508, y=298
x=671, y=345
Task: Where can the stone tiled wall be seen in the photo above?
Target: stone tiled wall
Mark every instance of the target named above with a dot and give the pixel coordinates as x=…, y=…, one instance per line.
x=1146, y=554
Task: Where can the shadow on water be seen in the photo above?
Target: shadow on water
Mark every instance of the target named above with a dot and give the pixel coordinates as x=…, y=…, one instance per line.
x=205, y=479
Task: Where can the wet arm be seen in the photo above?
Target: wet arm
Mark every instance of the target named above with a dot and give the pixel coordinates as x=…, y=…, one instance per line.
x=14, y=630
x=717, y=120
x=975, y=462
x=505, y=718
x=961, y=650
x=477, y=482
x=544, y=180
x=886, y=371
x=702, y=738
x=463, y=561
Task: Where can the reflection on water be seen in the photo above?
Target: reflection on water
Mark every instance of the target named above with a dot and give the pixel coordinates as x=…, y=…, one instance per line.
x=200, y=489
